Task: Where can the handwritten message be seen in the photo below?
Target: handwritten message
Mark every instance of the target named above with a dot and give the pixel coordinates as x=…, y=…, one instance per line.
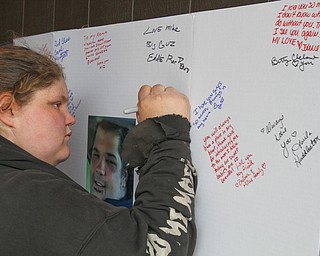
x=293, y=144
x=61, y=50
x=161, y=49
x=222, y=146
x=96, y=46
x=298, y=26
x=214, y=101
x=73, y=105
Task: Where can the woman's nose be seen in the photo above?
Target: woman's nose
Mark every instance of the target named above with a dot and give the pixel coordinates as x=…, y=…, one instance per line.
x=70, y=119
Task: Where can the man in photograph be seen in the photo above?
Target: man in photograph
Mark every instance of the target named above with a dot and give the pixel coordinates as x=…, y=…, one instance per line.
x=110, y=180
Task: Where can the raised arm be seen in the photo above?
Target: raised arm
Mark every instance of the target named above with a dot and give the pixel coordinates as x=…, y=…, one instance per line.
x=159, y=147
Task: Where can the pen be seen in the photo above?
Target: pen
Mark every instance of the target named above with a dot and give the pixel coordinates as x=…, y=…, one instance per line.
x=130, y=110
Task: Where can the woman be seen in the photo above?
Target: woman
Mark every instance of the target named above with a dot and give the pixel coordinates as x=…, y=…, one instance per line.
x=44, y=212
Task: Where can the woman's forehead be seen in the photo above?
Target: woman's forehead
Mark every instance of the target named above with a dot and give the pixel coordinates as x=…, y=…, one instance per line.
x=58, y=89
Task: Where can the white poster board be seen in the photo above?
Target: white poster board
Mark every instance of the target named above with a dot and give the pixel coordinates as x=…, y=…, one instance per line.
x=252, y=75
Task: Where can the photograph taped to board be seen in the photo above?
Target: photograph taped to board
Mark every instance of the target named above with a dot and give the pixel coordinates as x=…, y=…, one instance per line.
x=107, y=175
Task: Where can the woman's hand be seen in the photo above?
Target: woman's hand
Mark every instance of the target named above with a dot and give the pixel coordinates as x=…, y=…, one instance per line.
x=159, y=101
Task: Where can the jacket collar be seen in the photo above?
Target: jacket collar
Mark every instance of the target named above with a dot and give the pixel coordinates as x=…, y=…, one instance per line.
x=14, y=157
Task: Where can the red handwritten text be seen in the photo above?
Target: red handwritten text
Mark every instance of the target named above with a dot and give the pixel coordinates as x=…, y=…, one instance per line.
x=96, y=46
x=222, y=146
x=298, y=25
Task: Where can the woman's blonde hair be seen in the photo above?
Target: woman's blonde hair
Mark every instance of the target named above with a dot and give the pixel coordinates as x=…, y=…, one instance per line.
x=24, y=71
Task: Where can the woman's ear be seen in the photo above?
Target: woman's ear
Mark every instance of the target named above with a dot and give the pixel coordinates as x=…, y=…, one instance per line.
x=6, y=113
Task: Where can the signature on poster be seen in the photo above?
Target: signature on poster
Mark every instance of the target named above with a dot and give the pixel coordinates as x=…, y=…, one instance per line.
x=297, y=61
x=61, y=50
x=213, y=102
x=161, y=49
x=72, y=104
x=96, y=47
x=222, y=146
x=293, y=144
